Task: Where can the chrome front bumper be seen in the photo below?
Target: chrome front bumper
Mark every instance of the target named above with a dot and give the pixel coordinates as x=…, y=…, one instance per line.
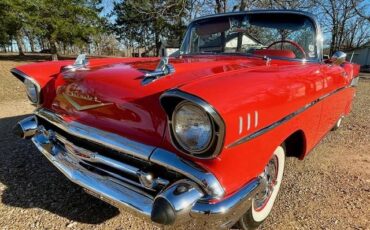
x=196, y=197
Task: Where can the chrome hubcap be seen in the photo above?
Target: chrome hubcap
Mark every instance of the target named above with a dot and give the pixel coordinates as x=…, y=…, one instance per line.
x=269, y=176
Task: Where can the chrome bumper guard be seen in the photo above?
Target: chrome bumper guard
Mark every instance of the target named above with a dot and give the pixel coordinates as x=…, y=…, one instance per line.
x=198, y=197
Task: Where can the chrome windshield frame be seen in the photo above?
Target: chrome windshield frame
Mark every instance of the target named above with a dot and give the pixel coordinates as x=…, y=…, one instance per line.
x=311, y=17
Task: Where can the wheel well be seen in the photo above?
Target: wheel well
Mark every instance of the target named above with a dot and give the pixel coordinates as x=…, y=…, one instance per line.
x=295, y=145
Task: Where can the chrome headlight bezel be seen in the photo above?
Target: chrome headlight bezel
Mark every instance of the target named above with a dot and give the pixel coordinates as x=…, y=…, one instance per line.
x=193, y=150
x=171, y=99
x=31, y=90
x=36, y=98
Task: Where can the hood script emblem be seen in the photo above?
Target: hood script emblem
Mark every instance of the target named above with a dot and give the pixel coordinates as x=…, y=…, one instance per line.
x=86, y=98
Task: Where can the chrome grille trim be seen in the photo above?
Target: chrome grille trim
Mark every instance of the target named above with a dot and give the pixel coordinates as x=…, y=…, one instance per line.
x=150, y=154
x=95, y=157
x=98, y=136
x=191, y=205
x=88, y=160
x=106, y=188
x=118, y=179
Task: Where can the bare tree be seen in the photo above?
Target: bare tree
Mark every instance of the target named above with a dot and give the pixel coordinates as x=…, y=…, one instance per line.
x=221, y=6
x=244, y=5
x=284, y=4
x=335, y=16
x=356, y=33
x=360, y=6
x=196, y=9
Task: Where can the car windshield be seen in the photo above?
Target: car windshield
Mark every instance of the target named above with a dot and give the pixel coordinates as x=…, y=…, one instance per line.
x=287, y=36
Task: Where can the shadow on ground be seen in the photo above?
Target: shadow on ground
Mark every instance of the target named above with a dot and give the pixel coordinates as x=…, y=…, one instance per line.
x=32, y=182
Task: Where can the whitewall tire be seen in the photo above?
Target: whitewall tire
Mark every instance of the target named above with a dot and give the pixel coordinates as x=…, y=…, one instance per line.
x=263, y=202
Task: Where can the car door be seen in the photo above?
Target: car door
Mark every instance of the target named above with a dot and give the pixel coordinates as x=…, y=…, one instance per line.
x=333, y=100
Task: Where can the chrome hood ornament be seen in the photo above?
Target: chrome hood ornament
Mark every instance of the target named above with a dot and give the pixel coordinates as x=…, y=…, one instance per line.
x=81, y=63
x=163, y=68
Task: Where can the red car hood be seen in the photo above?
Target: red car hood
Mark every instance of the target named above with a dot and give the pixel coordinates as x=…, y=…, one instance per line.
x=111, y=96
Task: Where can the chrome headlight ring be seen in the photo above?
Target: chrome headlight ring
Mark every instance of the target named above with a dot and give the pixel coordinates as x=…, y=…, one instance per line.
x=204, y=118
x=33, y=89
x=192, y=128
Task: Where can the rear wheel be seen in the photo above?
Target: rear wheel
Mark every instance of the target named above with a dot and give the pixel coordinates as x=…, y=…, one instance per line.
x=263, y=202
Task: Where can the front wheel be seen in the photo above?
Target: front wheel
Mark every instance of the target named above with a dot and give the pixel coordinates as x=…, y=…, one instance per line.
x=263, y=201
x=337, y=124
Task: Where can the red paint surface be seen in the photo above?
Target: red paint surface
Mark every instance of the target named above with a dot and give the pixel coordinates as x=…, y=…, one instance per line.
x=233, y=85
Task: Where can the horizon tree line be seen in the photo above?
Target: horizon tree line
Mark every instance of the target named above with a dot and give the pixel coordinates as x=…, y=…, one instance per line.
x=141, y=26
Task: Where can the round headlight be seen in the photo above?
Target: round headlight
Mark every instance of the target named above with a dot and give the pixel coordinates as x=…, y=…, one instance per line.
x=192, y=128
x=31, y=89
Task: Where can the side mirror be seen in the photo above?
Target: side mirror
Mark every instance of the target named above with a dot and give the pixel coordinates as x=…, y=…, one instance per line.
x=338, y=58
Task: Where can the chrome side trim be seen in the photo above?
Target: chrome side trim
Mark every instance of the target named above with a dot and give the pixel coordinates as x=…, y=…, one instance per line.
x=22, y=76
x=176, y=93
x=206, y=180
x=282, y=120
x=110, y=140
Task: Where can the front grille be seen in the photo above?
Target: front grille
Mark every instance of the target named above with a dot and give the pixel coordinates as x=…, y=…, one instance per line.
x=125, y=165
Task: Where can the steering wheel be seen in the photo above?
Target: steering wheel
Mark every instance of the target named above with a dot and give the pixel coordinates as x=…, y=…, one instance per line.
x=292, y=43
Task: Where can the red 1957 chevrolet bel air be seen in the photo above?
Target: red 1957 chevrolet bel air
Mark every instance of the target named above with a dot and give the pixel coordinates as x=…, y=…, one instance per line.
x=201, y=136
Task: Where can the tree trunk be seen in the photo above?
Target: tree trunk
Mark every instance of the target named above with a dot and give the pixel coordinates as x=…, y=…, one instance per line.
x=53, y=49
x=18, y=39
x=218, y=6
x=243, y=5
x=42, y=44
x=11, y=45
x=332, y=44
x=31, y=41
x=157, y=45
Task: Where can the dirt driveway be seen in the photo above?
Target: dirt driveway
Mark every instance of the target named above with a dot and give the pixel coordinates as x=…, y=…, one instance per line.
x=330, y=189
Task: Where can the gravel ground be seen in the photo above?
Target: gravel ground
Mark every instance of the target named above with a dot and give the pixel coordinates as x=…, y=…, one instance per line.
x=330, y=189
